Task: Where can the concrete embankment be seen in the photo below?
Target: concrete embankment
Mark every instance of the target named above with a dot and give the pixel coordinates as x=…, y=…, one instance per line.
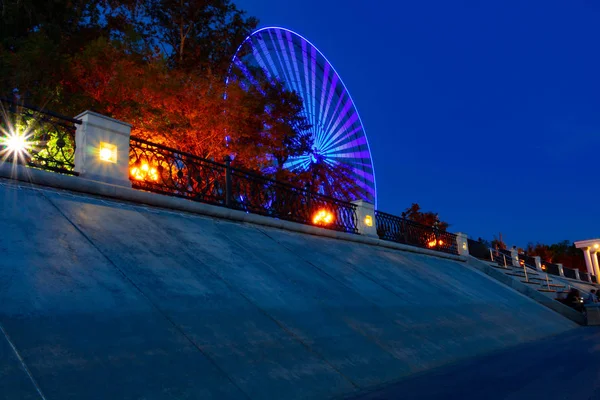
x=101, y=299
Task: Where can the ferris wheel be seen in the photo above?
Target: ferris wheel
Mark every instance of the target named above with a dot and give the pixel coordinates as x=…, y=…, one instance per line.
x=338, y=133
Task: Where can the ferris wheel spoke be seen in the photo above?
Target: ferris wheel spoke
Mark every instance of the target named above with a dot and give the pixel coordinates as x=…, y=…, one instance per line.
x=314, y=79
x=282, y=57
x=271, y=70
x=335, y=122
x=343, y=133
x=323, y=89
x=298, y=81
x=330, y=118
x=350, y=141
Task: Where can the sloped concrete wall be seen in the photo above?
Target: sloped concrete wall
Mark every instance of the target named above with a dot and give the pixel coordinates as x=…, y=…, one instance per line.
x=107, y=300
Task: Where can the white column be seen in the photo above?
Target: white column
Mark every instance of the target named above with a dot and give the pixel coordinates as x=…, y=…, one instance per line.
x=365, y=214
x=102, y=149
x=561, y=270
x=538, y=263
x=514, y=255
x=462, y=244
x=595, y=262
x=588, y=261
x=577, y=276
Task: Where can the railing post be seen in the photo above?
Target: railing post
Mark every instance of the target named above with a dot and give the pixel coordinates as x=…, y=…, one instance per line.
x=538, y=263
x=462, y=244
x=561, y=270
x=365, y=215
x=577, y=276
x=102, y=149
x=514, y=255
x=228, y=185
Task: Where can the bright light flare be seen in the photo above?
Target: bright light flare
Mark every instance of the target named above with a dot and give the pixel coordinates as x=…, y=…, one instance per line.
x=323, y=217
x=16, y=146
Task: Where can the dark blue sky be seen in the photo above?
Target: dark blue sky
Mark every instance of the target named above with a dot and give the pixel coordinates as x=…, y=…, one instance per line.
x=487, y=112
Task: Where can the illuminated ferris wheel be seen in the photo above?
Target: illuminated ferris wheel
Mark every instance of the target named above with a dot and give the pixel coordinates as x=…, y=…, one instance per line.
x=338, y=133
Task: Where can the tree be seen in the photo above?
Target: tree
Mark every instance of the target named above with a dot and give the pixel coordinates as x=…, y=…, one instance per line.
x=414, y=213
x=331, y=179
x=498, y=242
x=198, y=34
x=563, y=252
x=274, y=130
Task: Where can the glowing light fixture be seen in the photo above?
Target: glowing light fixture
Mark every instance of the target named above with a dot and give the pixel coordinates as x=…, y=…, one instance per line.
x=464, y=246
x=431, y=243
x=368, y=220
x=108, y=152
x=323, y=217
x=596, y=246
x=440, y=242
x=145, y=172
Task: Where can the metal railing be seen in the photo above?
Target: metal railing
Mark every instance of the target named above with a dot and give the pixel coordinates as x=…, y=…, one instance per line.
x=502, y=257
x=402, y=230
x=164, y=170
x=257, y=194
x=529, y=260
x=550, y=268
x=569, y=273
x=37, y=138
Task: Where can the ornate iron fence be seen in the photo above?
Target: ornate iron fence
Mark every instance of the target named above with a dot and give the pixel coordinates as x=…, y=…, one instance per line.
x=257, y=194
x=160, y=169
x=402, y=230
x=37, y=138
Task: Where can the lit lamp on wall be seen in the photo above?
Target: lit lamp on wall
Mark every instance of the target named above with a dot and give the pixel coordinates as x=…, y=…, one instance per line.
x=108, y=152
x=368, y=220
x=323, y=217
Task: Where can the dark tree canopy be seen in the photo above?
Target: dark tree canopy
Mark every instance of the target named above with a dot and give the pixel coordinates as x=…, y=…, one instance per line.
x=563, y=252
x=414, y=213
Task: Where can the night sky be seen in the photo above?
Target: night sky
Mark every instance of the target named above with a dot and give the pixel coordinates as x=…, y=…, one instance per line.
x=487, y=112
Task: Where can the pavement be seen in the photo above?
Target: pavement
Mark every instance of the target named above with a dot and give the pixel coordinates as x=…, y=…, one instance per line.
x=565, y=366
x=103, y=300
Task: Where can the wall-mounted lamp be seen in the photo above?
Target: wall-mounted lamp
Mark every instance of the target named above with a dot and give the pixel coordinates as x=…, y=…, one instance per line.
x=108, y=152
x=368, y=220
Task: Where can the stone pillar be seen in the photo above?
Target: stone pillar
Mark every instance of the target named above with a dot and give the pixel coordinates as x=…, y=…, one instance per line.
x=462, y=244
x=365, y=214
x=561, y=270
x=102, y=152
x=514, y=255
x=588, y=261
x=595, y=262
x=577, y=276
x=538, y=263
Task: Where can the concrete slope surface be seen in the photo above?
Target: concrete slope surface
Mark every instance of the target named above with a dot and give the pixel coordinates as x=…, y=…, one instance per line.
x=100, y=299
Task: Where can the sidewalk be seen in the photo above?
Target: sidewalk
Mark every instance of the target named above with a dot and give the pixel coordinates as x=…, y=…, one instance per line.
x=561, y=367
